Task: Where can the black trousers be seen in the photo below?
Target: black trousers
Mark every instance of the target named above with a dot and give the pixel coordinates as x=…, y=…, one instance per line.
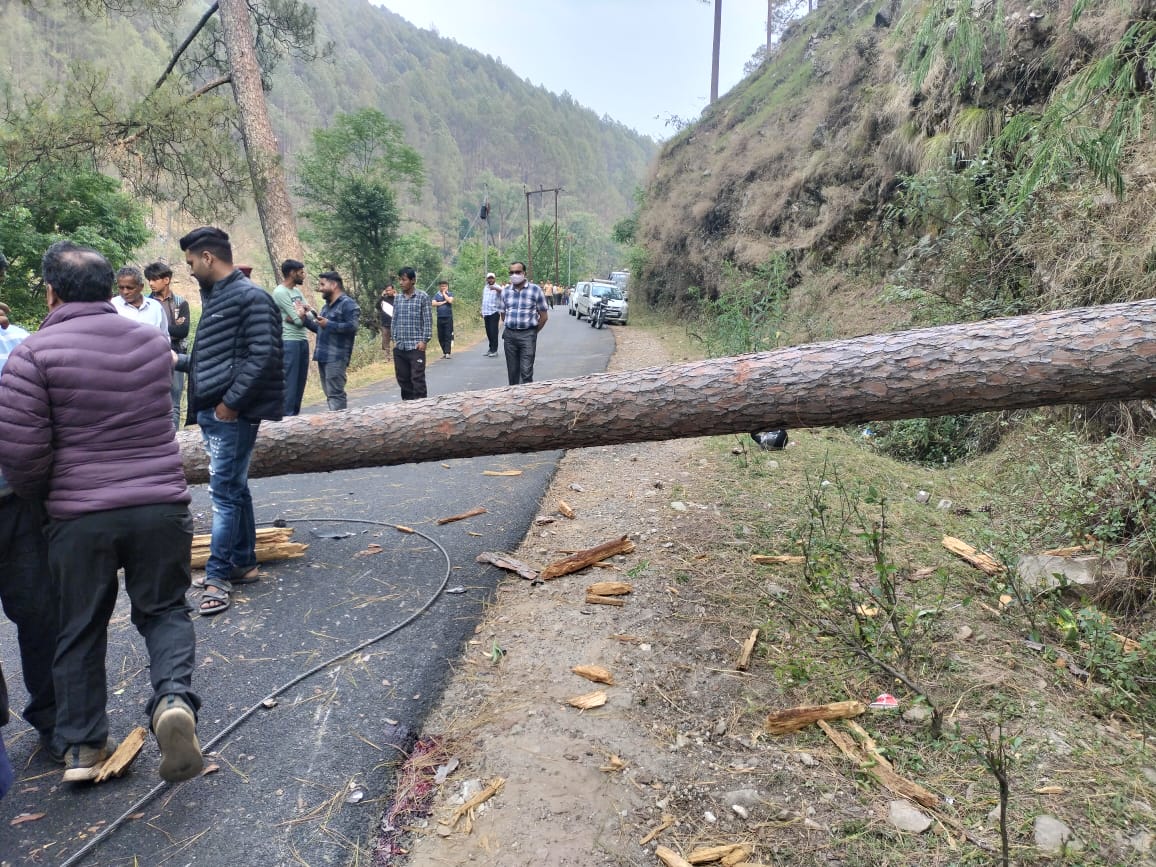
x=520, y=349
x=26, y=595
x=409, y=368
x=492, y=329
x=446, y=334
x=152, y=545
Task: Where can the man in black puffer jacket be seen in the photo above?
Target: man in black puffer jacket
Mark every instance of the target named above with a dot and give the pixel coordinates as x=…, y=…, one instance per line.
x=235, y=381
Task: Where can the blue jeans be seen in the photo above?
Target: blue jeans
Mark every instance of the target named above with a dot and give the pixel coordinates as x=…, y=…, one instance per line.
x=175, y=392
x=233, y=544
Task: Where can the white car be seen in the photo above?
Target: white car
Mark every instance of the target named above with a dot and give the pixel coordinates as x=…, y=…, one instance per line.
x=584, y=294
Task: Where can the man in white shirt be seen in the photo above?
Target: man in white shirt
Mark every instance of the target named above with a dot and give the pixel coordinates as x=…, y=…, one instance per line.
x=132, y=302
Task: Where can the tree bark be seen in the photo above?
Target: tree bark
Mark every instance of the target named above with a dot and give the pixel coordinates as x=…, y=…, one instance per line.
x=269, y=187
x=1070, y=356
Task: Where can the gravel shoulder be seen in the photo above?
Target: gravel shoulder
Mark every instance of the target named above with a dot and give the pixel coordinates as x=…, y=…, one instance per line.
x=582, y=787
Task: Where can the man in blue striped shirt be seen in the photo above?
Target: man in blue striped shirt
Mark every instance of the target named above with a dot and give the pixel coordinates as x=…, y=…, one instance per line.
x=524, y=312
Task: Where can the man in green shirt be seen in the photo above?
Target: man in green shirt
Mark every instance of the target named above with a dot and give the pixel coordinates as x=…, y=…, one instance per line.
x=294, y=337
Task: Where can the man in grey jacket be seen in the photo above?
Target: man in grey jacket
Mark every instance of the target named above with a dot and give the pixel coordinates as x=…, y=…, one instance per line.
x=85, y=418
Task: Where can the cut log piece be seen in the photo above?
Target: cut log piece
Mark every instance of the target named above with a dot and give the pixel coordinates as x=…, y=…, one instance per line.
x=795, y=718
x=581, y=559
x=981, y=561
x=272, y=544
x=1066, y=356
x=595, y=599
x=778, y=559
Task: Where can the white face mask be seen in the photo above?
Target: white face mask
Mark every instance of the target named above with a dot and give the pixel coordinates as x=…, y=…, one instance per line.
x=517, y=279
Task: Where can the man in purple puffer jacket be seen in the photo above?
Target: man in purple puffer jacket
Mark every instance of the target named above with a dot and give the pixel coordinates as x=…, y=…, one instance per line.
x=85, y=417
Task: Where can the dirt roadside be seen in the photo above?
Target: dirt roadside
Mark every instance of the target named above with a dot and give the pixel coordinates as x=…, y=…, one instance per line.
x=584, y=787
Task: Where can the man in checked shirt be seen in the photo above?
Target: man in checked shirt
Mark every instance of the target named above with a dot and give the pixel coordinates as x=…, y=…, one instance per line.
x=524, y=312
x=412, y=330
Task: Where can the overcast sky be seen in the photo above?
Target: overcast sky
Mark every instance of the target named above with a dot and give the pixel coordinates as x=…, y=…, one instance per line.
x=639, y=61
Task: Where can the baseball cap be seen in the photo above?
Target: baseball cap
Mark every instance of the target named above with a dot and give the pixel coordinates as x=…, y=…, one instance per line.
x=491, y=274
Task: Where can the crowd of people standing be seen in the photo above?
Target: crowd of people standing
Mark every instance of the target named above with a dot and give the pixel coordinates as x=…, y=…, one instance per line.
x=91, y=479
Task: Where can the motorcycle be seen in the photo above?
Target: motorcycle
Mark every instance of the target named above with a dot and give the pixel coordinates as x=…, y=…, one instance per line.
x=598, y=313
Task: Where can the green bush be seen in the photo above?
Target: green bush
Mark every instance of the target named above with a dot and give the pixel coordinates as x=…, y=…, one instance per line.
x=941, y=440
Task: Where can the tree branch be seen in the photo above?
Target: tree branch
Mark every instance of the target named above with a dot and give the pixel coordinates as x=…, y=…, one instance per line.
x=209, y=13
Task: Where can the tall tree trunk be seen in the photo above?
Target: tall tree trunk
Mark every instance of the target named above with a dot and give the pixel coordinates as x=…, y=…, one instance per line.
x=715, y=54
x=269, y=187
x=1071, y=356
x=770, y=27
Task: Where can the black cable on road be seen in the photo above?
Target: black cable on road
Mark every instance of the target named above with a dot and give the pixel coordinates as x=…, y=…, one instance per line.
x=106, y=832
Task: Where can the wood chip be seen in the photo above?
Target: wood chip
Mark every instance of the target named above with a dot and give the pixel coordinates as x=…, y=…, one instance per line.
x=472, y=513
x=595, y=599
x=586, y=557
x=748, y=649
x=875, y=764
x=1050, y=790
x=565, y=510
x=26, y=817
x=795, y=718
x=981, y=561
x=501, y=472
x=670, y=858
x=667, y=821
x=1070, y=551
x=402, y=528
x=710, y=854
x=739, y=856
x=613, y=765
x=610, y=588
x=505, y=561
x=626, y=639
x=116, y=764
x=491, y=789
x=589, y=700
x=778, y=559
x=595, y=673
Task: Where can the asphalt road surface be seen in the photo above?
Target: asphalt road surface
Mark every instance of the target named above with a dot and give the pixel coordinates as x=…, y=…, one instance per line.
x=304, y=777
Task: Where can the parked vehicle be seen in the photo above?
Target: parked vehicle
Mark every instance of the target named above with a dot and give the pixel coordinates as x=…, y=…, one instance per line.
x=586, y=292
x=598, y=312
x=621, y=279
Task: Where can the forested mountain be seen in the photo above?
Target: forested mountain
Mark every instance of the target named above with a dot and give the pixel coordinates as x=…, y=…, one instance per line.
x=476, y=124
x=471, y=118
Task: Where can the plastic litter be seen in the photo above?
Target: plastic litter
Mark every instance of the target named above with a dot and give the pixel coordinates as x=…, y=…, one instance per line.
x=885, y=701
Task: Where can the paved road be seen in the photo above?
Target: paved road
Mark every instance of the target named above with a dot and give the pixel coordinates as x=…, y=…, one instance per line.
x=305, y=780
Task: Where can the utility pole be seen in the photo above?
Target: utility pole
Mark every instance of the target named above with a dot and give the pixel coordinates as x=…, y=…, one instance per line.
x=717, y=46
x=529, y=240
x=485, y=215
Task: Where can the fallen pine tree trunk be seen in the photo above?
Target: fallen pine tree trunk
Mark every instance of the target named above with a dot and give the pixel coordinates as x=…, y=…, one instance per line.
x=1069, y=356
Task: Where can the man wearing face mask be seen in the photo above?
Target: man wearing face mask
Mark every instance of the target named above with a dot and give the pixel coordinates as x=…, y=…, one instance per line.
x=236, y=380
x=524, y=313
x=336, y=328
